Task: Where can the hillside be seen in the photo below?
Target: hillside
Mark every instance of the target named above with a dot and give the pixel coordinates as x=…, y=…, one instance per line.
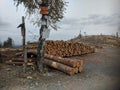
x=98, y=41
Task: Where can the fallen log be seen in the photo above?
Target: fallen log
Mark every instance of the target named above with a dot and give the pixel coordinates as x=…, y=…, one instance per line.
x=66, y=61
x=20, y=63
x=67, y=69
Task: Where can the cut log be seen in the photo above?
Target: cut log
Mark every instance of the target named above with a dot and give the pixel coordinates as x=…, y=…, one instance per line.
x=17, y=60
x=80, y=62
x=66, y=61
x=80, y=69
x=20, y=63
x=76, y=70
x=67, y=69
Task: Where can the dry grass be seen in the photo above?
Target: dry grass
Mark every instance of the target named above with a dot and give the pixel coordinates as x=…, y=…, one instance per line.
x=99, y=40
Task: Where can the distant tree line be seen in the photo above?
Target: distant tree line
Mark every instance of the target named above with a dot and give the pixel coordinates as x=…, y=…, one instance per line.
x=8, y=43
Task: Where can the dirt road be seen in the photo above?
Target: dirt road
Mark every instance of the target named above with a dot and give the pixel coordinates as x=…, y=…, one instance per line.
x=101, y=72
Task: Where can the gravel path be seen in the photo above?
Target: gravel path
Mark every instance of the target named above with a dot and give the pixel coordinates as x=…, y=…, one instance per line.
x=101, y=72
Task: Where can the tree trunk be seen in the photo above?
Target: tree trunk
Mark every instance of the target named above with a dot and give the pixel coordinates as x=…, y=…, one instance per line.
x=40, y=53
x=41, y=47
x=23, y=31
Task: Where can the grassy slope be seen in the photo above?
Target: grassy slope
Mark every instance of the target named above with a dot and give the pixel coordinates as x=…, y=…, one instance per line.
x=98, y=40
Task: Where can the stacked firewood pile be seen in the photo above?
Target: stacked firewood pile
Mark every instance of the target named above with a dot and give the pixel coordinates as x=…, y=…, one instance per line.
x=65, y=48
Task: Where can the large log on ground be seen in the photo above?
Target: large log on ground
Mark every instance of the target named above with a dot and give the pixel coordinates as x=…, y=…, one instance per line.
x=67, y=69
x=66, y=61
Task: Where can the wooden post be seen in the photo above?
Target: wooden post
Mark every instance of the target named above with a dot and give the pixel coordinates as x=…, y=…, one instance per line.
x=23, y=31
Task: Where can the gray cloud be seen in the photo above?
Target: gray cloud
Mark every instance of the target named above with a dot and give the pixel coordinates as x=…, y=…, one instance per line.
x=112, y=20
x=69, y=23
x=3, y=23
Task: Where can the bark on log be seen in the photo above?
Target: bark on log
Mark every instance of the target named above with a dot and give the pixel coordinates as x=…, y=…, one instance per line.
x=66, y=61
x=59, y=66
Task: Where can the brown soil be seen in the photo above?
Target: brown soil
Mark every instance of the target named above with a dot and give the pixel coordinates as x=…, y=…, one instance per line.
x=101, y=72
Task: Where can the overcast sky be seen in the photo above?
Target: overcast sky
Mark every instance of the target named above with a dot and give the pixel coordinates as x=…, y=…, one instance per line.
x=90, y=16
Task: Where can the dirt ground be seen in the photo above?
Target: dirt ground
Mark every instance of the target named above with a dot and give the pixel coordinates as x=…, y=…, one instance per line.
x=101, y=72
